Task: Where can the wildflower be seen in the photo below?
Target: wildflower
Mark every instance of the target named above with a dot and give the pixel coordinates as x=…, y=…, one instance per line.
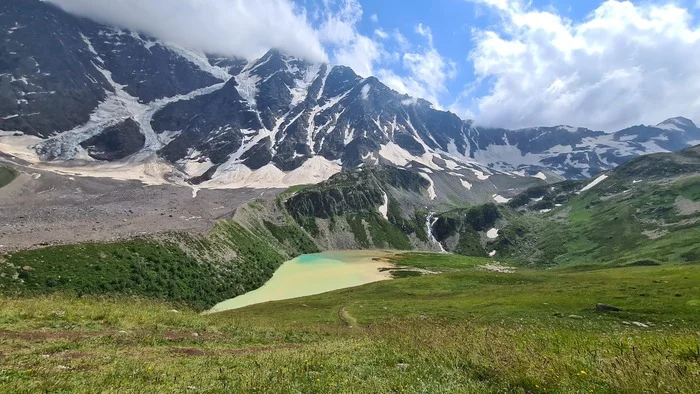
x=583, y=372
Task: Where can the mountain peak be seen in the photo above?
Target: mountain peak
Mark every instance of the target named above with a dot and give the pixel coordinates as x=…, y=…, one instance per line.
x=678, y=123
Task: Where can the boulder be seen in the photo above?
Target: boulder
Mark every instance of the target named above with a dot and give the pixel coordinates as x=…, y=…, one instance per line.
x=606, y=308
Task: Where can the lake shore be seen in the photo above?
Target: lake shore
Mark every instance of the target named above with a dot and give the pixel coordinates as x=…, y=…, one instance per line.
x=315, y=274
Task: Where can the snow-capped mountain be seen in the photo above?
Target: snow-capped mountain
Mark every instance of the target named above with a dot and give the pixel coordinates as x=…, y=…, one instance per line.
x=72, y=89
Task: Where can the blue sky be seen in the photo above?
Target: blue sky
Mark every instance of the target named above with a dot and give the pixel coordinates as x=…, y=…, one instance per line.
x=456, y=27
x=602, y=64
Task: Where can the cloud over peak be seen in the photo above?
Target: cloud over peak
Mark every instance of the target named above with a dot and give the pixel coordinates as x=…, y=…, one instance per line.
x=239, y=28
x=624, y=64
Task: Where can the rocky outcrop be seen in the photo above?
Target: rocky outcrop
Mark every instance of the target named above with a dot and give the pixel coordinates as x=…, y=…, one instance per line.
x=48, y=79
x=115, y=142
x=220, y=119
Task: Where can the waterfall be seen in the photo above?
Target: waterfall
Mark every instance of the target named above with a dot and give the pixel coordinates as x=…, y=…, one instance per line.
x=430, y=220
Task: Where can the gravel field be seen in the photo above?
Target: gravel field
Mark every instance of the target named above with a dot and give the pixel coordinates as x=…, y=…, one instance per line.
x=42, y=208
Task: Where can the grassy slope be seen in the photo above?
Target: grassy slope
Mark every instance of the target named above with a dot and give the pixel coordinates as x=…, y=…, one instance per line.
x=6, y=176
x=462, y=331
x=195, y=270
x=465, y=330
x=602, y=228
x=354, y=197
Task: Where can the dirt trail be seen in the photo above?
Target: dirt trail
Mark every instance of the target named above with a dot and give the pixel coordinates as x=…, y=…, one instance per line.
x=346, y=318
x=195, y=352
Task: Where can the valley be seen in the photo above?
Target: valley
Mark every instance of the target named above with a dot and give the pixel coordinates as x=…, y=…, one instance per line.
x=41, y=208
x=175, y=220
x=543, y=314
x=466, y=330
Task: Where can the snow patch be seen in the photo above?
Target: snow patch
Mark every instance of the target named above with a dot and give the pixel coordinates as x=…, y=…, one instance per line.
x=492, y=253
x=500, y=199
x=480, y=175
x=401, y=157
x=570, y=129
x=384, y=208
x=594, y=183
x=235, y=175
x=365, y=92
x=200, y=60
x=492, y=233
x=431, y=188
x=300, y=90
x=540, y=175
x=466, y=184
x=248, y=87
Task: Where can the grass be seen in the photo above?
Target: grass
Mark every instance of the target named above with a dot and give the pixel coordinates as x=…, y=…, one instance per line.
x=7, y=175
x=465, y=330
x=197, y=271
x=603, y=228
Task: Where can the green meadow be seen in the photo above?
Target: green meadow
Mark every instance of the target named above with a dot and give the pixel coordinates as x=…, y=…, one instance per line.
x=463, y=330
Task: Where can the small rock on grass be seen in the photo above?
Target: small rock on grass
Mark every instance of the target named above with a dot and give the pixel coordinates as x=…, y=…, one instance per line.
x=606, y=308
x=578, y=317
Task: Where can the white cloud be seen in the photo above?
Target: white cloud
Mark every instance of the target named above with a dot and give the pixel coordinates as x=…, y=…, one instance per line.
x=381, y=34
x=624, y=64
x=425, y=32
x=348, y=46
x=374, y=18
x=427, y=71
x=401, y=40
x=360, y=55
x=229, y=27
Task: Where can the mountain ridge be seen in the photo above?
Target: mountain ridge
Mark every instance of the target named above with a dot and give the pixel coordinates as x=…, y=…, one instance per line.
x=224, y=122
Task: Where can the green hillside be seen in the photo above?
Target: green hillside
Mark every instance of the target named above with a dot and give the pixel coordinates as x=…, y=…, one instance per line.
x=590, y=291
x=466, y=330
x=644, y=212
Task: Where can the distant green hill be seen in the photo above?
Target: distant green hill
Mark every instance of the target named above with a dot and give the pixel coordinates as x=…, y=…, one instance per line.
x=644, y=211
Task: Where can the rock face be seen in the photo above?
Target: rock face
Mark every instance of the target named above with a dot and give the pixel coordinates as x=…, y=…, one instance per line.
x=354, y=192
x=231, y=121
x=48, y=81
x=115, y=142
x=375, y=207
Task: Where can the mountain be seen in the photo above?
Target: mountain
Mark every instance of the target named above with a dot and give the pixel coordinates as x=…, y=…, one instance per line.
x=73, y=89
x=644, y=212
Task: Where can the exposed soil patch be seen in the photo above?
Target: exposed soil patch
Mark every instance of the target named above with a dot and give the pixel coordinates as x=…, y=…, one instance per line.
x=47, y=335
x=686, y=207
x=73, y=355
x=195, y=352
x=497, y=267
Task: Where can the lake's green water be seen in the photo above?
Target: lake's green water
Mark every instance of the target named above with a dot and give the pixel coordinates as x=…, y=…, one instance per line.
x=314, y=274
